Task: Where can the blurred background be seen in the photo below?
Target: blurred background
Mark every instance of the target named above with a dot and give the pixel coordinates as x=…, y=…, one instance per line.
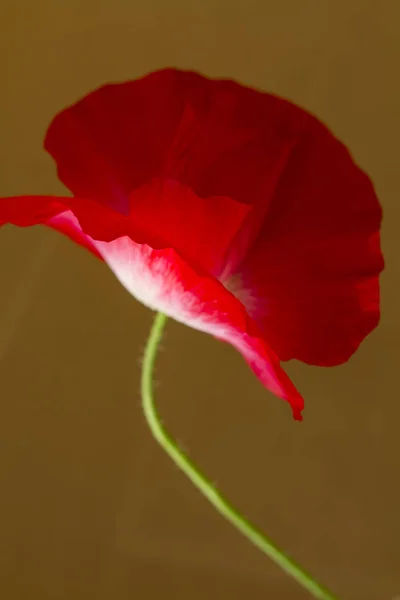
x=89, y=505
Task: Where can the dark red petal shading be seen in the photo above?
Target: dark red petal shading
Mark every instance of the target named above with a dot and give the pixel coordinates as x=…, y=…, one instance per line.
x=216, y=138
x=161, y=280
x=311, y=279
x=214, y=135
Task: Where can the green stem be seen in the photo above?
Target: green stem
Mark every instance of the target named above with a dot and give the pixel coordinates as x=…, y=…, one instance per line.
x=202, y=483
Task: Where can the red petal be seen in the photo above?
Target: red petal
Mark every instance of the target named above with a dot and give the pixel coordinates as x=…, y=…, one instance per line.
x=161, y=280
x=26, y=211
x=311, y=279
x=215, y=136
x=70, y=216
x=163, y=212
x=209, y=139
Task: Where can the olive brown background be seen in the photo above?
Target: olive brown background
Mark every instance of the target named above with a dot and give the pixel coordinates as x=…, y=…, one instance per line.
x=90, y=508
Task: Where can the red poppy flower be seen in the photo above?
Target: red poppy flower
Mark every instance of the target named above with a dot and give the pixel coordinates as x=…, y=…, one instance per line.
x=228, y=209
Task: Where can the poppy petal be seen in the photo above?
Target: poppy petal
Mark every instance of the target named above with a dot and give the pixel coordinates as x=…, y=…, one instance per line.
x=69, y=216
x=217, y=143
x=165, y=213
x=311, y=280
x=161, y=280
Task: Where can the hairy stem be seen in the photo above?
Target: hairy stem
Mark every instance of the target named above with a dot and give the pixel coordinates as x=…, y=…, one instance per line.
x=185, y=464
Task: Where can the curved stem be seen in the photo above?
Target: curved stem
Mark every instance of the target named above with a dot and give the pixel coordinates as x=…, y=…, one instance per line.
x=184, y=463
